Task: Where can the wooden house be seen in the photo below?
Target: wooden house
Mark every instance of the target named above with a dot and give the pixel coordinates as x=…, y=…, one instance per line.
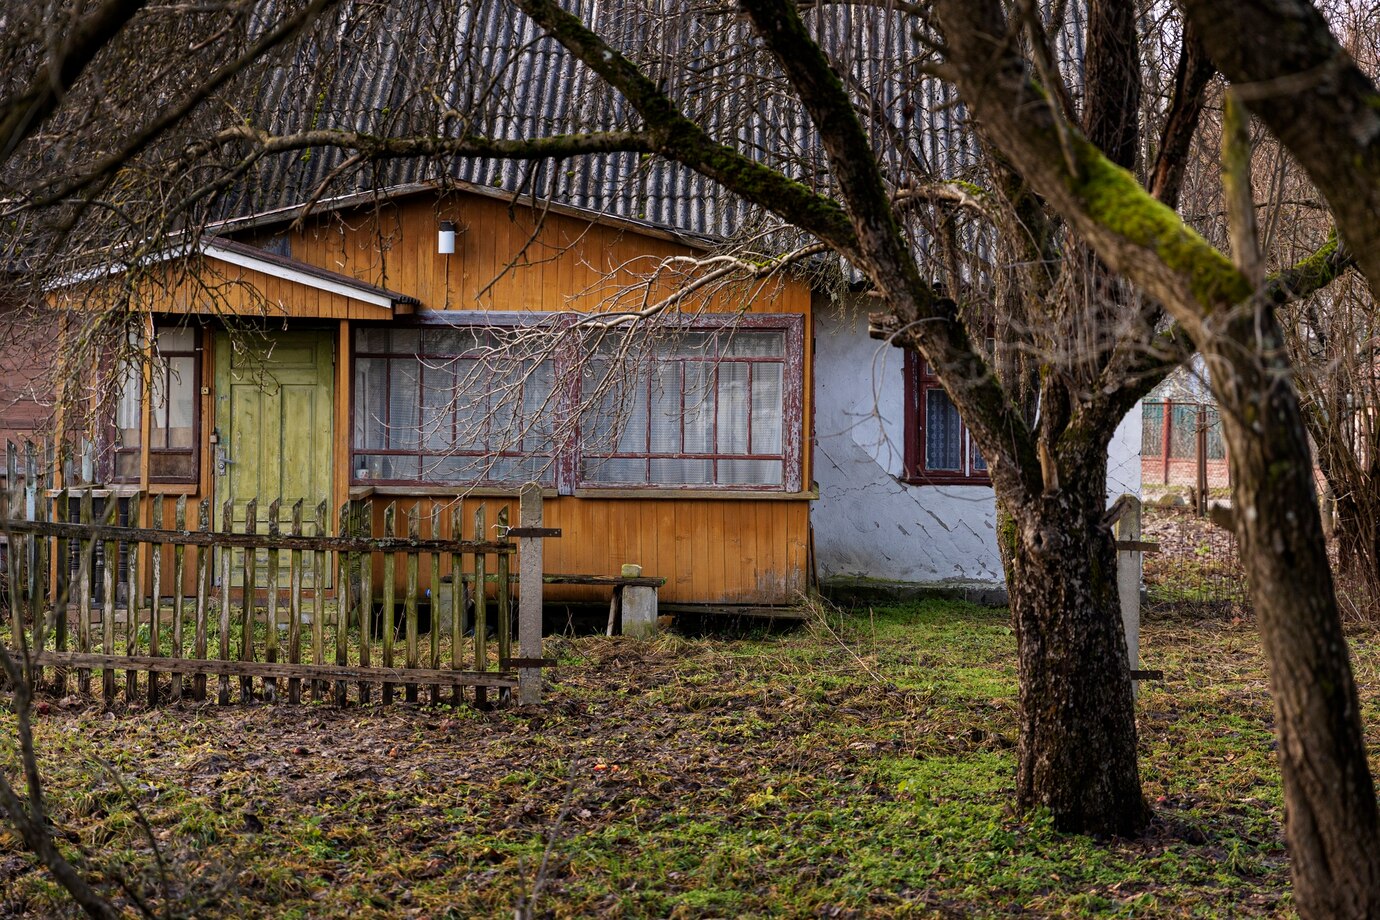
x=829, y=452
x=322, y=362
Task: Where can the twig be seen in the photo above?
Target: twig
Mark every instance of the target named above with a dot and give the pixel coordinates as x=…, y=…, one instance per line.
x=881, y=681
x=526, y=907
x=144, y=825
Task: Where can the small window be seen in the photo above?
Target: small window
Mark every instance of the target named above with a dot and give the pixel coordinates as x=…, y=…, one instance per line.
x=939, y=449
x=174, y=406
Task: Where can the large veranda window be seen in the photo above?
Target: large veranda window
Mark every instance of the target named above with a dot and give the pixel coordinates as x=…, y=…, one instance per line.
x=173, y=406
x=939, y=448
x=713, y=404
x=698, y=408
x=446, y=405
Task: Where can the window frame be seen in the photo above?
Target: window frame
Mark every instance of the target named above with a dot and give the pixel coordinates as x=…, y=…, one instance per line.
x=567, y=456
x=792, y=327
x=421, y=323
x=919, y=381
x=156, y=355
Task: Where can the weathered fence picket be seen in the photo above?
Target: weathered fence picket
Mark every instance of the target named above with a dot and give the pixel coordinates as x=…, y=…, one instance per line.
x=295, y=606
x=118, y=588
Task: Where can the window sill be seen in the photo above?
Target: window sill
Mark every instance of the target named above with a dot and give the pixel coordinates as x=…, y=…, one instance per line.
x=359, y=492
x=362, y=492
x=154, y=488
x=672, y=492
x=118, y=490
x=932, y=480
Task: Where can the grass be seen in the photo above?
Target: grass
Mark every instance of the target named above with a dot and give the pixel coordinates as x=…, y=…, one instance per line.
x=856, y=768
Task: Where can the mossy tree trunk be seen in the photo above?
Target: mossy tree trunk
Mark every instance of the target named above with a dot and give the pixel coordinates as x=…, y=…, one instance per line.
x=1330, y=800
x=1053, y=182
x=1332, y=825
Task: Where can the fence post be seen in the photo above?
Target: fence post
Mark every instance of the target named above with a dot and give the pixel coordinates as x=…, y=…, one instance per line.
x=1167, y=430
x=1202, y=460
x=530, y=589
x=1128, y=575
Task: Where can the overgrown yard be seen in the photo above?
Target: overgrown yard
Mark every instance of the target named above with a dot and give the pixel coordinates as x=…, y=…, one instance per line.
x=861, y=768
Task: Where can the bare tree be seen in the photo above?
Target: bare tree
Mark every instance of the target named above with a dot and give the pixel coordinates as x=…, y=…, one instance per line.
x=1027, y=225
x=74, y=118
x=957, y=241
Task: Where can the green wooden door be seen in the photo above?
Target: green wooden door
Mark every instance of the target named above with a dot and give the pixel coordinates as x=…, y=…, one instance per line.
x=274, y=414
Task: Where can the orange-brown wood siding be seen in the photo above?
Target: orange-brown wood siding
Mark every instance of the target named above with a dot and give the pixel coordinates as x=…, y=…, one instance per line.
x=231, y=290
x=726, y=551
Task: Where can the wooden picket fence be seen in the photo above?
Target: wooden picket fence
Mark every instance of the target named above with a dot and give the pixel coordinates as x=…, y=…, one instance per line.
x=270, y=615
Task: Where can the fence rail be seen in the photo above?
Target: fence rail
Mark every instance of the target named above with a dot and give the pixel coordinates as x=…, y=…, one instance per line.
x=269, y=615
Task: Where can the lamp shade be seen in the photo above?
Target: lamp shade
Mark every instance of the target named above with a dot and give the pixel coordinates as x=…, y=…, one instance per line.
x=445, y=239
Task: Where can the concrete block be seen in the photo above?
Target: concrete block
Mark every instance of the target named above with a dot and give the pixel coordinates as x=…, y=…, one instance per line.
x=639, y=611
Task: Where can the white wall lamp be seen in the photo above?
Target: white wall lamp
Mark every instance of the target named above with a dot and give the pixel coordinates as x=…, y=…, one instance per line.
x=445, y=240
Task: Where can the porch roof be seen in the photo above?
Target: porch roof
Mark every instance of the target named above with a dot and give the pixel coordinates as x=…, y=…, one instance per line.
x=368, y=301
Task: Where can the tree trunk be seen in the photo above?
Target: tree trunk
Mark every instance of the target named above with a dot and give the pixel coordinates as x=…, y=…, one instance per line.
x=1357, y=527
x=1329, y=798
x=1078, y=731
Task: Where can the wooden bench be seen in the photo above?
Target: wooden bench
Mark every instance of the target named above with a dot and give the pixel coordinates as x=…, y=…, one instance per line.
x=632, y=608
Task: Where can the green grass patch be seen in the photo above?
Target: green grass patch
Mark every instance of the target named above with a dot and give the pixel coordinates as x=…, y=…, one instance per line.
x=860, y=766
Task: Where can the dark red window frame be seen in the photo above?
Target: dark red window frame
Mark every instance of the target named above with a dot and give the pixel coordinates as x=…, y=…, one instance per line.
x=792, y=362
x=919, y=383
x=424, y=455
x=193, y=467
x=566, y=464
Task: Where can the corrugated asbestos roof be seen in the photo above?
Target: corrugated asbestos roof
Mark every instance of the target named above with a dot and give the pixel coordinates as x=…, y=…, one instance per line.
x=369, y=81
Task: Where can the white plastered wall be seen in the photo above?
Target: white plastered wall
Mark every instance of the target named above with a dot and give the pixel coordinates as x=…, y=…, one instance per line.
x=867, y=523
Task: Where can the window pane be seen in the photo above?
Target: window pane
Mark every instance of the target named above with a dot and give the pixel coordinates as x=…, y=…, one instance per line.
x=699, y=407
x=614, y=470
x=683, y=472
x=471, y=408
x=453, y=469
x=767, y=408
x=158, y=405
x=743, y=344
x=126, y=466
x=404, y=399
x=179, y=414
x=943, y=438
x=504, y=386
x=438, y=407
x=539, y=410
x=127, y=412
x=171, y=466
x=750, y=472
x=734, y=400
x=665, y=409
x=631, y=419
x=389, y=467
x=447, y=341
x=373, y=340
x=979, y=463
x=404, y=341
x=183, y=339
x=371, y=389
x=688, y=344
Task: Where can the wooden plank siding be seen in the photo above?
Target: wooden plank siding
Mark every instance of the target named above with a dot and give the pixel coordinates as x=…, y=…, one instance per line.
x=235, y=291
x=725, y=551
x=715, y=548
